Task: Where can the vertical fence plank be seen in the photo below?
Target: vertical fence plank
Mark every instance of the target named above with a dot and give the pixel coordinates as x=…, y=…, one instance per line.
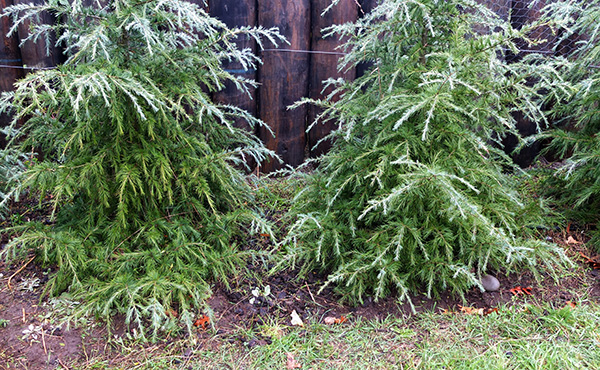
x=34, y=53
x=237, y=14
x=324, y=66
x=284, y=80
x=10, y=56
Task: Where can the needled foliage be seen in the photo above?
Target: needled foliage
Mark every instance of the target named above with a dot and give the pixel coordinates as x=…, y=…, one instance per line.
x=142, y=167
x=575, y=137
x=12, y=164
x=413, y=197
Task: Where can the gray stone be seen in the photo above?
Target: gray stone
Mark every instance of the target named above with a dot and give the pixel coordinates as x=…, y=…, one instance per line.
x=490, y=283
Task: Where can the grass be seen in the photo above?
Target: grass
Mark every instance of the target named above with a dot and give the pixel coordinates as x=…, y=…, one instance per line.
x=519, y=337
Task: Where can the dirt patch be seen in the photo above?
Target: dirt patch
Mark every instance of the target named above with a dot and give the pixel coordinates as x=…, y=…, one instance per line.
x=28, y=338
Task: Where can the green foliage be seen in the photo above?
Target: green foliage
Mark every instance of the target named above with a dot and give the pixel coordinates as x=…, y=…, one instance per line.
x=12, y=164
x=413, y=195
x=575, y=137
x=143, y=167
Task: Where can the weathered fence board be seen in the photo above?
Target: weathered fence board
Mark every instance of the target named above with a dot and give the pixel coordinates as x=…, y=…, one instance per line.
x=242, y=13
x=10, y=56
x=34, y=54
x=324, y=66
x=284, y=80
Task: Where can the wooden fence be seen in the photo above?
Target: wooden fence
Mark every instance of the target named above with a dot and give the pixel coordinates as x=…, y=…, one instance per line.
x=285, y=76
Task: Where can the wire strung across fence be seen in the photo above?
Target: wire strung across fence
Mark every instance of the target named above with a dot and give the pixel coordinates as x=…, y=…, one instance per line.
x=305, y=64
x=517, y=12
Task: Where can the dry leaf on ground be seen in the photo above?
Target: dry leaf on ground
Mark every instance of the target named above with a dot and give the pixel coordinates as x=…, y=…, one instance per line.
x=296, y=320
x=202, y=322
x=329, y=320
x=521, y=291
x=474, y=311
x=471, y=310
x=490, y=310
x=592, y=261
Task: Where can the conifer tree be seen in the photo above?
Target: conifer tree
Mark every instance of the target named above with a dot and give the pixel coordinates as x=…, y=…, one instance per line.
x=577, y=113
x=415, y=195
x=142, y=167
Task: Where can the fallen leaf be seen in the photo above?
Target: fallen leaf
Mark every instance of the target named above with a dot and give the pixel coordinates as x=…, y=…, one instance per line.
x=593, y=262
x=341, y=320
x=471, y=310
x=521, y=291
x=570, y=304
x=291, y=361
x=329, y=320
x=571, y=240
x=202, y=322
x=490, y=310
x=296, y=320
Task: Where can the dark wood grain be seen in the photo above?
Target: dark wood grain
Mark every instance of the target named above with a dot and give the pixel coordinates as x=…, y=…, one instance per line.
x=237, y=14
x=10, y=56
x=34, y=53
x=284, y=80
x=324, y=66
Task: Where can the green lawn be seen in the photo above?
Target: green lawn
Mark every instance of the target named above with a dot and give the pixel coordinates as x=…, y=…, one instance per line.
x=524, y=336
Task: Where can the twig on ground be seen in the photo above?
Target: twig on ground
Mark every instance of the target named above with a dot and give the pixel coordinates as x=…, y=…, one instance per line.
x=44, y=343
x=311, y=295
x=62, y=364
x=18, y=271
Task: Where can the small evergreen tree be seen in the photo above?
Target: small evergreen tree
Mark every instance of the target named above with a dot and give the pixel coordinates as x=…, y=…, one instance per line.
x=575, y=135
x=141, y=164
x=413, y=195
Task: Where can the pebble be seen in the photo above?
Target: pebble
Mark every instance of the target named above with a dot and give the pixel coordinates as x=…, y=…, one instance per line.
x=490, y=283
